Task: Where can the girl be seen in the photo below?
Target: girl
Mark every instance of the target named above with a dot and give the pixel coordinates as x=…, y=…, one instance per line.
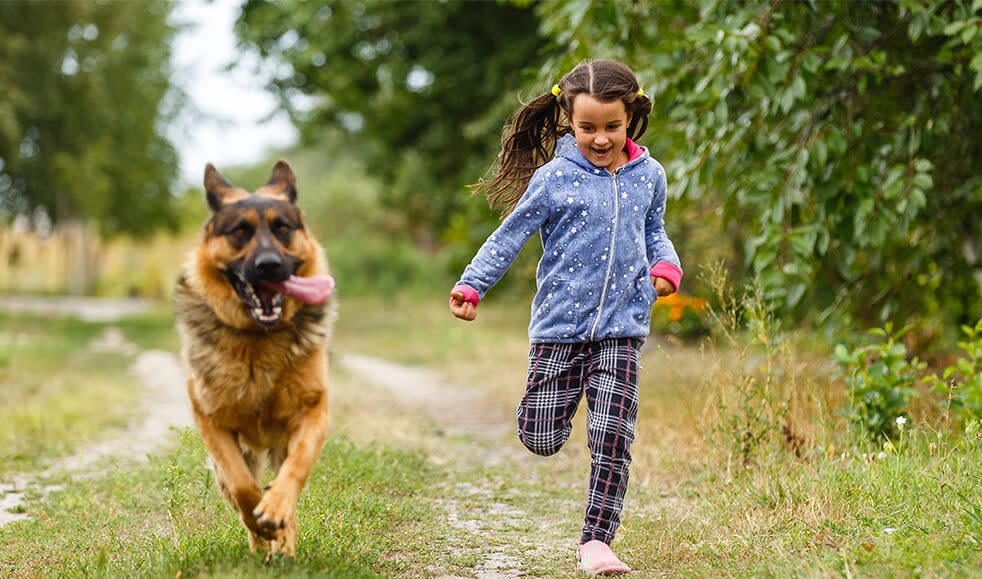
x=599, y=205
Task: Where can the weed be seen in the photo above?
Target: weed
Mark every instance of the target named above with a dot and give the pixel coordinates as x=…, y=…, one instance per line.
x=880, y=379
x=754, y=403
x=965, y=377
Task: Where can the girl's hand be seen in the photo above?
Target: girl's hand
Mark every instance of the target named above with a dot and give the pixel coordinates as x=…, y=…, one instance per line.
x=461, y=309
x=663, y=287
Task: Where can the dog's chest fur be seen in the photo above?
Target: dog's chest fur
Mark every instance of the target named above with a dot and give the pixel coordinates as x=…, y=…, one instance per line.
x=239, y=373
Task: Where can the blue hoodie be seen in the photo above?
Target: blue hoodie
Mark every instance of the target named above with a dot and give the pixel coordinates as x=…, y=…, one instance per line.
x=602, y=236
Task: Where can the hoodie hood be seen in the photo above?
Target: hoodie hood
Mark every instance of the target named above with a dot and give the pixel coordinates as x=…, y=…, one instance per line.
x=566, y=148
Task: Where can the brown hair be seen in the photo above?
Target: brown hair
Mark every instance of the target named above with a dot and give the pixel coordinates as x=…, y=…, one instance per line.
x=528, y=140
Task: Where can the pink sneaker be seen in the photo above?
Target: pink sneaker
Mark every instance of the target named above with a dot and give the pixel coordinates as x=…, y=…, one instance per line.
x=596, y=558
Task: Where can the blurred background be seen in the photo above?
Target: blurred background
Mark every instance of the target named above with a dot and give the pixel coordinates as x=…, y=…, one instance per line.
x=826, y=154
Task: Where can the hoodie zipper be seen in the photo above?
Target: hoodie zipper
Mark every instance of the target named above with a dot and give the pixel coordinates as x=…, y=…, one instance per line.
x=610, y=257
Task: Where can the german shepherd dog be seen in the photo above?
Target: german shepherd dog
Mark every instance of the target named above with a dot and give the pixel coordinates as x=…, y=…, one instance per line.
x=254, y=314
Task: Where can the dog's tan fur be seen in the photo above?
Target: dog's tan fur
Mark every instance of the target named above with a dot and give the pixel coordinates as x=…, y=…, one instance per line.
x=258, y=395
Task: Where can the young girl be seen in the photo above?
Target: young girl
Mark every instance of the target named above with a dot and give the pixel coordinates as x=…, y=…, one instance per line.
x=599, y=205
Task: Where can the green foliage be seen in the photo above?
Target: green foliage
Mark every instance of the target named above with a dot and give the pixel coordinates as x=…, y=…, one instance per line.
x=965, y=376
x=421, y=90
x=841, y=139
x=86, y=90
x=880, y=380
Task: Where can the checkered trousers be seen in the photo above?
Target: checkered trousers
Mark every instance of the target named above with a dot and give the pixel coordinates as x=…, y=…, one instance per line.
x=607, y=372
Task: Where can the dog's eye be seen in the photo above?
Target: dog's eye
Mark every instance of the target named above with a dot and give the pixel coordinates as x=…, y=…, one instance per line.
x=282, y=228
x=242, y=232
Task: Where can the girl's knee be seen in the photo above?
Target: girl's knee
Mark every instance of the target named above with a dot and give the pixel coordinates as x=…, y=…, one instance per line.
x=543, y=444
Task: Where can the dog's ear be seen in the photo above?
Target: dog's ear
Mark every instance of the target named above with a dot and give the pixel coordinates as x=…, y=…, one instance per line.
x=217, y=189
x=283, y=180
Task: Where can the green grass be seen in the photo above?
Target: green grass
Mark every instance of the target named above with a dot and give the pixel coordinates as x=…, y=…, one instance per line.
x=59, y=392
x=394, y=495
x=696, y=507
x=166, y=517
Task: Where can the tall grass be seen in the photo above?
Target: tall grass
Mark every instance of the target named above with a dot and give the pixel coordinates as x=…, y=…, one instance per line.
x=776, y=484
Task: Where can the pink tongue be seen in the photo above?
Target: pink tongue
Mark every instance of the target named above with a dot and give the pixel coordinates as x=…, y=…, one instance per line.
x=310, y=290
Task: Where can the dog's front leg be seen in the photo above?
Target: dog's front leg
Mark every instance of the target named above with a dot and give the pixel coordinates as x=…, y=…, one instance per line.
x=277, y=510
x=231, y=470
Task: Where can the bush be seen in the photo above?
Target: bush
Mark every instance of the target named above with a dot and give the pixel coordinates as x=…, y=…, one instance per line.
x=879, y=379
x=965, y=377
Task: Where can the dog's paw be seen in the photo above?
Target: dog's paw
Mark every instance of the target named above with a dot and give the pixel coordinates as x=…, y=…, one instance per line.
x=247, y=499
x=257, y=543
x=276, y=510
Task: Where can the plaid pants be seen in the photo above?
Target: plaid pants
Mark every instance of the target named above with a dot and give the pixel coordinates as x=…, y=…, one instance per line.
x=607, y=372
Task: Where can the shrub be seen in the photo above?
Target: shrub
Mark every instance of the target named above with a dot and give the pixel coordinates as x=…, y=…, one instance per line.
x=964, y=377
x=879, y=379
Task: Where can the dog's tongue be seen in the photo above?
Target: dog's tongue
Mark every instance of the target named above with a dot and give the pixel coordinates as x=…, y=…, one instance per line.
x=310, y=290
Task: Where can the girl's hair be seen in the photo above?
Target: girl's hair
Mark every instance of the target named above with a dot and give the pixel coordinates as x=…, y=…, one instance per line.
x=528, y=140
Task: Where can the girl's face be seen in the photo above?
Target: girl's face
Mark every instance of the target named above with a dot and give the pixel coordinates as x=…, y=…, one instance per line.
x=600, y=129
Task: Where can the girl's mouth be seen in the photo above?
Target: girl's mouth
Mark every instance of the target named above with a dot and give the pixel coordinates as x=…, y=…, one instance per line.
x=601, y=153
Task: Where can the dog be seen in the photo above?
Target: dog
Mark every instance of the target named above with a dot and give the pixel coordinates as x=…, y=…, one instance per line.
x=255, y=312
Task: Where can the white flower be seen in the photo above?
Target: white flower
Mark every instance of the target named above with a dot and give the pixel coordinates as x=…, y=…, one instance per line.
x=901, y=421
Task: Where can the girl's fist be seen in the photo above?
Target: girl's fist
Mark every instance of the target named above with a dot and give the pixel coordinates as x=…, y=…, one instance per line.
x=461, y=309
x=663, y=287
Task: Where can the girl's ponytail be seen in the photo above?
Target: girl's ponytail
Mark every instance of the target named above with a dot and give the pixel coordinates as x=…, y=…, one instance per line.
x=527, y=142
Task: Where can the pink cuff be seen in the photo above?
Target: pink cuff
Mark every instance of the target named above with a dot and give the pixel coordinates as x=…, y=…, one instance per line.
x=669, y=271
x=470, y=294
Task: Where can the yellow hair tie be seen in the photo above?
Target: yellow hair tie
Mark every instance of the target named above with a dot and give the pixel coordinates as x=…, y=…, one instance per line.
x=556, y=90
x=640, y=92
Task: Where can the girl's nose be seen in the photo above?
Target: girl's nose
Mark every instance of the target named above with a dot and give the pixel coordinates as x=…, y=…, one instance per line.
x=601, y=139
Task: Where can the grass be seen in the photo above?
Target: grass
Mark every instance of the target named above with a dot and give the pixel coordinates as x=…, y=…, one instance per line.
x=167, y=519
x=797, y=498
x=718, y=487
x=59, y=391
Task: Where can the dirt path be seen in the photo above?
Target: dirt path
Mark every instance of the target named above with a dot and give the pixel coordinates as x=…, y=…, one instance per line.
x=87, y=309
x=162, y=402
x=162, y=405
x=471, y=508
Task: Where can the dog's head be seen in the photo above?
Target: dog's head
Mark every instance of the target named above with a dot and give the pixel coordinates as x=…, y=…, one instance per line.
x=259, y=243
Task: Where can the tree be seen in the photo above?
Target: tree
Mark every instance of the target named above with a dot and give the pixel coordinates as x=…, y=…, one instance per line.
x=841, y=139
x=422, y=89
x=86, y=89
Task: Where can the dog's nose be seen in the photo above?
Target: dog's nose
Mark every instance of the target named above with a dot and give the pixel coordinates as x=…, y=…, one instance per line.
x=269, y=264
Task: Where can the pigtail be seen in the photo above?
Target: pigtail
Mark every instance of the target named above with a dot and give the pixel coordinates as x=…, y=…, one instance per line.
x=527, y=142
x=639, y=107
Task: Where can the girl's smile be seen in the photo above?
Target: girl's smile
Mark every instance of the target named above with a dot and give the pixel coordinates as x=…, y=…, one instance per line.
x=600, y=129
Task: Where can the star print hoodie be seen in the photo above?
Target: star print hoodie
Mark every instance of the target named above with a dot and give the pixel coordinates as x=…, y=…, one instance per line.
x=602, y=236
